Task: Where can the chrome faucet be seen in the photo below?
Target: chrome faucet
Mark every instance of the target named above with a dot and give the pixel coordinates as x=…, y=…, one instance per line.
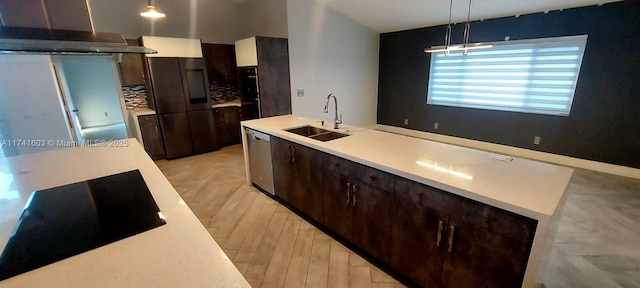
x=337, y=120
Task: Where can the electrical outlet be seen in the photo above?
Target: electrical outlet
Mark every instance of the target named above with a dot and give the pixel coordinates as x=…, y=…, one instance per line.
x=300, y=92
x=436, y=125
x=406, y=121
x=536, y=140
x=106, y=114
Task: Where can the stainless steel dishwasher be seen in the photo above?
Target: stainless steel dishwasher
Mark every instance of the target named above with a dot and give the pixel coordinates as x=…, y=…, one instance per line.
x=260, y=160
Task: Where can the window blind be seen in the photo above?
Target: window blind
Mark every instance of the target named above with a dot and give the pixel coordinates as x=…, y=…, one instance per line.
x=532, y=76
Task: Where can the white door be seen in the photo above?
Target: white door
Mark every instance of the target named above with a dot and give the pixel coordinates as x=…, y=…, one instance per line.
x=67, y=102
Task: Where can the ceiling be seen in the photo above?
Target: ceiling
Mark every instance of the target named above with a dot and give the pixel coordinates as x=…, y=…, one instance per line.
x=394, y=15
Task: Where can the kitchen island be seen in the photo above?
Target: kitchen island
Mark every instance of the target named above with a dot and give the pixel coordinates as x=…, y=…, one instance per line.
x=526, y=191
x=180, y=253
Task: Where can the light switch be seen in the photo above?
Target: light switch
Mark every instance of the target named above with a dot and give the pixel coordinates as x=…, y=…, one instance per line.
x=300, y=92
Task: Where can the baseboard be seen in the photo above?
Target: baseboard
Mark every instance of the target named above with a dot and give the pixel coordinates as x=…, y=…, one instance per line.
x=518, y=152
x=101, y=123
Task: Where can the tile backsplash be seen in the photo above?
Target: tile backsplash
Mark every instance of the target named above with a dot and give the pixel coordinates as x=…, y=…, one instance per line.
x=222, y=92
x=135, y=97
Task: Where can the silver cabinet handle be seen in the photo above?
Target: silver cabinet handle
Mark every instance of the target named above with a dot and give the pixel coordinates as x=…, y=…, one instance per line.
x=348, y=192
x=439, y=238
x=451, y=232
x=355, y=188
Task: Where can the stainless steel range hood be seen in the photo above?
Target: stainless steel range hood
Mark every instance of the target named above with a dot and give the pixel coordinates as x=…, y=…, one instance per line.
x=45, y=41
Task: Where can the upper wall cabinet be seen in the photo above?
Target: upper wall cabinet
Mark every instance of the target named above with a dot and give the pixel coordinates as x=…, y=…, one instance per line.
x=271, y=56
x=246, y=52
x=173, y=47
x=46, y=14
x=221, y=63
x=132, y=67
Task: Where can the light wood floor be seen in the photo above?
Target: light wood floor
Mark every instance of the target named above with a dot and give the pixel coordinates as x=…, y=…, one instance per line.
x=270, y=245
x=598, y=242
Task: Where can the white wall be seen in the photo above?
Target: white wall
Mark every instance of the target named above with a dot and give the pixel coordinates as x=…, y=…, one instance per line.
x=30, y=105
x=331, y=53
x=212, y=21
x=263, y=18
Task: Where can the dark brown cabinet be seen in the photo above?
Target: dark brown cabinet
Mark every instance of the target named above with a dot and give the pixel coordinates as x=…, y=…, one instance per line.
x=490, y=247
x=263, y=76
x=431, y=237
x=132, y=67
x=418, y=235
x=298, y=171
x=358, y=205
x=151, y=138
x=227, y=121
x=443, y=240
x=273, y=76
x=221, y=63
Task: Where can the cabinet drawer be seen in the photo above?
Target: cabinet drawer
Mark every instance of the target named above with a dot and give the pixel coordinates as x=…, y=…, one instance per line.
x=365, y=174
x=425, y=195
x=495, y=220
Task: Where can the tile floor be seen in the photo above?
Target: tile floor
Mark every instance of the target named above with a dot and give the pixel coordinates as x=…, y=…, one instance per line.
x=598, y=242
x=107, y=132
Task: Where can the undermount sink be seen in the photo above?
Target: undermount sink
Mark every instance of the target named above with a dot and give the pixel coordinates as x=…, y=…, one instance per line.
x=328, y=136
x=316, y=133
x=307, y=131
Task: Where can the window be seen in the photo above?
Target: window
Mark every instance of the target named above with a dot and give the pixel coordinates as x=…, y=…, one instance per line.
x=532, y=76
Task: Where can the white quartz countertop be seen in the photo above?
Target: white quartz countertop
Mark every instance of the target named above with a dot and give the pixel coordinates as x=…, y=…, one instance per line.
x=178, y=254
x=523, y=186
x=143, y=111
x=232, y=103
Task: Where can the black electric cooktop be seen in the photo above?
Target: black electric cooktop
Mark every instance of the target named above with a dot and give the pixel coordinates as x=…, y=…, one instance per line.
x=64, y=221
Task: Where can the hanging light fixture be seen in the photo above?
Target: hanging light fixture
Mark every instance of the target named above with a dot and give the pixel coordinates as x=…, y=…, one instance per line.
x=151, y=11
x=447, y=38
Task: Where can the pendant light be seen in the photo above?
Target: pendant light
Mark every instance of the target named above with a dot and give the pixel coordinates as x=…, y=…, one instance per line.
x=447, y=38
x=151, y=11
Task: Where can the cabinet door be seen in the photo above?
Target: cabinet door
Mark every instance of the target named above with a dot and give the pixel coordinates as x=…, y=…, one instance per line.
x=273, y=76
x=297, y=173
x=227, y=121
x=337, y=203
x=202, y=131
x=490, y=247
x=306, y=194
x=218, y=119
x=421, y=215
x=151, y=137
x=176, y=135
x=166, y=84
x=282, y=157
x=372, y=219
x=195, y=84
x=232, y=124
x=221, y=63
x=131, y=67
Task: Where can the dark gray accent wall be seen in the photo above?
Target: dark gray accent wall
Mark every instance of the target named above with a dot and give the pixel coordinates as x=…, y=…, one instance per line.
x=604, y=123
